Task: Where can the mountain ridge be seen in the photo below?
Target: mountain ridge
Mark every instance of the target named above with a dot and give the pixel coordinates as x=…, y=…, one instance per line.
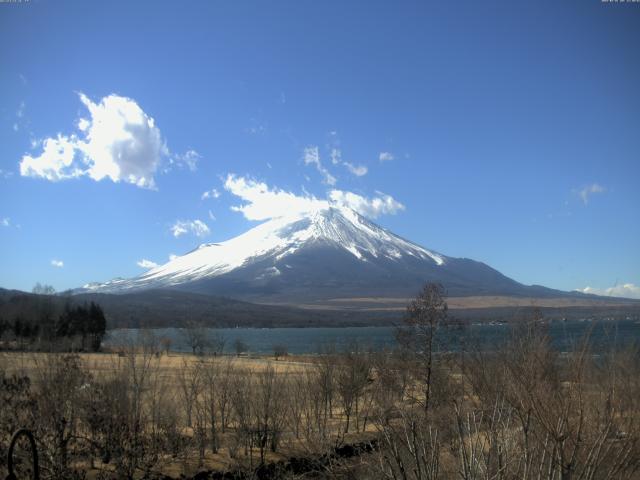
x=327, y=253
x=174, y=308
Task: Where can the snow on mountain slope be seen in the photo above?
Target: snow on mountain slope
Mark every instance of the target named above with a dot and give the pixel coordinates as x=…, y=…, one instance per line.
x=278, y=239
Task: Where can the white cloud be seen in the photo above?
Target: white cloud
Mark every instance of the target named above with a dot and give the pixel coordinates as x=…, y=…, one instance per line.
x=385, y=156
x=263, y=202
x=357, y=170
x=148, y=264
x=56, y=161
x=311, y=156
x=5, y=174
x=172, y=256
x=57, y=263
x=122, y=141
x=118, y=141
x=589, y=190
x=213, y=193
x=381, y=204
x=211, y=216
x=195, y=227
x=627, y=290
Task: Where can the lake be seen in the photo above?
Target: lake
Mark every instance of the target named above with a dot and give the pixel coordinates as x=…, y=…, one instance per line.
x=563, y=334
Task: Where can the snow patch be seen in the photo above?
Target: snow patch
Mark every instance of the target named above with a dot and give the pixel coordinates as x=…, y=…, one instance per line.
x=278, y=239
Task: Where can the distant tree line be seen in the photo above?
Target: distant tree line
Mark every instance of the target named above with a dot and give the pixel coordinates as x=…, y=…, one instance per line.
x=42, y=321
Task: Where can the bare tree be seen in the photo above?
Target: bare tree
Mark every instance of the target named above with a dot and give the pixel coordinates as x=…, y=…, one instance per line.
x=425, y=314
x=227, y=372
x=195, y=336
x=165, y=344
x=40, y=289
x=189, y=379
x=296, y=395
x=240, y=346
x=216, y=343
x=269, y=410
x=279, y=351
x=213, y=382
x=201, y=408
x=352, y=378
x=241, y=393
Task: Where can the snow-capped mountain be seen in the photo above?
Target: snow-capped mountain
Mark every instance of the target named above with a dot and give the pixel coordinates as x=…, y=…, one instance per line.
x=328, y=253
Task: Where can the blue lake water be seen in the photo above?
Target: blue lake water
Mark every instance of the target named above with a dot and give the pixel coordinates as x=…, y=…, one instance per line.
x=563, y=335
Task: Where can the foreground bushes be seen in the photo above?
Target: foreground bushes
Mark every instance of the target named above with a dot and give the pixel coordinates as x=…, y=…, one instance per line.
x=521, y=411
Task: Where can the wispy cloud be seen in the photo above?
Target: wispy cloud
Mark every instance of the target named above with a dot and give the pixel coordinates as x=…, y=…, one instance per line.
x=381, y=204
x=148, y=264
x=627, y=290
x=213, y=193
x=6, y=222
x=57, y=263
x=386, y=156
x=21, y=121
x=263, y=202
x=172, y=256
x=194, y=227
x=587, y=191
x=336, y=156
x=357, y=170
x=188, y=160
x=256, y=128
x=311, y=156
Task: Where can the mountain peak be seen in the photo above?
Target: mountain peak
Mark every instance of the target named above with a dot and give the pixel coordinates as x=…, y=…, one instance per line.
x=268, y=247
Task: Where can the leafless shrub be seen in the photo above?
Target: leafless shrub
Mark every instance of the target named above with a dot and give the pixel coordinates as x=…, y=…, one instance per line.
x=18, y=403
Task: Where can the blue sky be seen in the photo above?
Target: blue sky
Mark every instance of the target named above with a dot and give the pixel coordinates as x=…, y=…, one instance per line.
x=506, y=132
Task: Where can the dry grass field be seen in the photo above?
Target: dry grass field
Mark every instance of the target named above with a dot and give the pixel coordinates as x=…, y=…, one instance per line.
x=169, y=365
x=177, y=385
